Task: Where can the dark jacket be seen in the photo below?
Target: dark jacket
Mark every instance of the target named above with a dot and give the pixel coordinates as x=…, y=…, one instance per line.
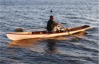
x=51, y=24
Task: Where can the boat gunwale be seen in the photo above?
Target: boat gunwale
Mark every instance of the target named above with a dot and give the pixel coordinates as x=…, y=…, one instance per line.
x=41, y=32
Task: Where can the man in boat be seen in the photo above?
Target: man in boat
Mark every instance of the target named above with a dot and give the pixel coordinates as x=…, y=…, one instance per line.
x=52, y=25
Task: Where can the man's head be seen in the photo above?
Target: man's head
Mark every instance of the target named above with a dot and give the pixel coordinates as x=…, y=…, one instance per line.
x=51, y=17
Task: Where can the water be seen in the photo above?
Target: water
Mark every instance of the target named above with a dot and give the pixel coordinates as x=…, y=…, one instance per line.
x=32, y=15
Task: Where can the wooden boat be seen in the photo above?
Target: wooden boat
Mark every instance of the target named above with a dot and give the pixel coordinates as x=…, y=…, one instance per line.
x=44, y=34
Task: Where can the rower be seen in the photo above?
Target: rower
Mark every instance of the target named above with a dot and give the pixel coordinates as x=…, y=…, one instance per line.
x=52, y=25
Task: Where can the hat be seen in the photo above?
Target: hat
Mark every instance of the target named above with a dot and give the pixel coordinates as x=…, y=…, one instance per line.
x=52, y=17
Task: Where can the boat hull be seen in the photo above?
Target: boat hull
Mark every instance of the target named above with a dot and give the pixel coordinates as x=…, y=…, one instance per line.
x=29, y=35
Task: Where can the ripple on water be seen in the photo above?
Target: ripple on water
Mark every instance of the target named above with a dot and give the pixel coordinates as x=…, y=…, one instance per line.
x=35, y=14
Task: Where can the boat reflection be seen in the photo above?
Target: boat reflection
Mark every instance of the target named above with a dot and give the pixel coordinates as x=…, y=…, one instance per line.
x=42, y=45
x=24, y=43
x=51, y=46
x=80, y=34
x=38, y=45
x=52, y=43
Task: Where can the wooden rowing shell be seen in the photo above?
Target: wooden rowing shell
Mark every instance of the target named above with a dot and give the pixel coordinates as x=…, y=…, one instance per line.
x=44, y=34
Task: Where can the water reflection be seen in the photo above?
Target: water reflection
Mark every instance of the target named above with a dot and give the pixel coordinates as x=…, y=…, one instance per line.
x=37, y=45
x=42, y=45
x=24, y=43
x=80, y=34
x=51, y=46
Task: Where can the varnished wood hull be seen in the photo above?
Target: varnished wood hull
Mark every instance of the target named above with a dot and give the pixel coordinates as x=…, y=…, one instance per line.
x=44, y=34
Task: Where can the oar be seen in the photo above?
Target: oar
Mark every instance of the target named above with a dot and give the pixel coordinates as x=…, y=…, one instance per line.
x=64, y=28
x=51, y=11
x=68, y=31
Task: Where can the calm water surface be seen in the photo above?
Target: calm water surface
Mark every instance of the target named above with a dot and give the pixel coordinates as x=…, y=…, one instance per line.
x=32, y=15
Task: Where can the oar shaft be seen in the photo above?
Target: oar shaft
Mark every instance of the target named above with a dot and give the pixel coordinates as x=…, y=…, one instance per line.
x=65, y=28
